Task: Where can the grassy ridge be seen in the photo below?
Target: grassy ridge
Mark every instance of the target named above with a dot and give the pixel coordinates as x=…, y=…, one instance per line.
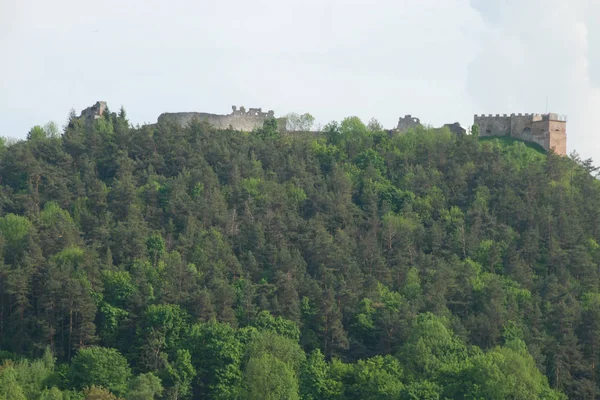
x=508, y=141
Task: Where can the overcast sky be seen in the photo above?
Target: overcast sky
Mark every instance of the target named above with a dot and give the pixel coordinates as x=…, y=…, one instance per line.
x=440, y=60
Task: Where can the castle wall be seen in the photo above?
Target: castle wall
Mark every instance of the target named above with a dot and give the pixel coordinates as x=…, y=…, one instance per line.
x=493, y=125
x=240, y=120
x=521, y=125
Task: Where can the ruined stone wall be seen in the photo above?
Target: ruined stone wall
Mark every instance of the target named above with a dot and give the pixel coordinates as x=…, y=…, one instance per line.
x=94, y=112
x=406, y=123
x=239, y=119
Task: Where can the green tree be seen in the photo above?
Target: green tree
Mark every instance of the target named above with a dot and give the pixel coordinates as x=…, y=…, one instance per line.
x=14, y=229
x=160, y=331
x=217, y=356
x=100, y=366
x=431, y=348
x=36, y=133
x=98, y=393
x=376, y=378
x=270, y=129
x=299, y=123
x=179, y=375
x=315, y=379
x=54, y=394
x=267, y=377
x=502, y=373
x=421, y=390
x=9, y=384
x=265, y=321
x=144, y=387
x=280, y=347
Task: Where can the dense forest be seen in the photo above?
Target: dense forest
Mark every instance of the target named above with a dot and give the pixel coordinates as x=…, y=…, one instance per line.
x=161, y=262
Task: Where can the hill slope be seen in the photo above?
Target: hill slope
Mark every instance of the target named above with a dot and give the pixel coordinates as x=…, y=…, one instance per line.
x=425, y=264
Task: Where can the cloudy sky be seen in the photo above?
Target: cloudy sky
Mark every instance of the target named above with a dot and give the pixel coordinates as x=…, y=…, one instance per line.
x=440, y=60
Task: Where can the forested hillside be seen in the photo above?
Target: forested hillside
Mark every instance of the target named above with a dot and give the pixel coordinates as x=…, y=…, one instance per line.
x=180, y=263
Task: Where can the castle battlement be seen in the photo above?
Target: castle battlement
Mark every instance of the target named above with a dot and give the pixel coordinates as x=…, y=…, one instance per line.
x=492, y=116
x=252, y=112
x=547, y=130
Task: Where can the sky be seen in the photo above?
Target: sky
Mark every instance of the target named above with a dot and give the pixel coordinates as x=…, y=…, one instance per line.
x=439, y=60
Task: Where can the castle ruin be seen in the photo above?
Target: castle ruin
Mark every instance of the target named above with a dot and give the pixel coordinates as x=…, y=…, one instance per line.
x=239, y=119
x=94, y=112
x=406, y=123
x=409, y=122
x=547, y=130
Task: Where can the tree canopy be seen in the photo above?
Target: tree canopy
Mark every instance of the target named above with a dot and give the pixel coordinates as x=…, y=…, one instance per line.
x=171, y=262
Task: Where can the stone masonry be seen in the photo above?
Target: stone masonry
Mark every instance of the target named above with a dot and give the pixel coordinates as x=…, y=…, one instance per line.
x=547, y=130
x=406, y=123
x=94, y=112
x=239, y=119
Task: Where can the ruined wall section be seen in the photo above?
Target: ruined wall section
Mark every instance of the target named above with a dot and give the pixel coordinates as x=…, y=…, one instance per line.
x=239, y=119
x=406, y=123
x=94, y=112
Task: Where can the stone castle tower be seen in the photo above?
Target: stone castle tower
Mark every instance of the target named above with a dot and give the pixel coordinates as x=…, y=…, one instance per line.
x=547, y=130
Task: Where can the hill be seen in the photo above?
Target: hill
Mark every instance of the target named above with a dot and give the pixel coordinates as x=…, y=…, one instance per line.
x=507, y=141
x=200, y=263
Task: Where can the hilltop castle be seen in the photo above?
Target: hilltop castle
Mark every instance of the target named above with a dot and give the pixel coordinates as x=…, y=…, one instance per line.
x=547, y=130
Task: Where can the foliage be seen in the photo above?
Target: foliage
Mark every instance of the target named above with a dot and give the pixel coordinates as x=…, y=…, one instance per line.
x=299, y=123
x=188, y=262
x=144, y=387
x=98, y=366
x=267, y=377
